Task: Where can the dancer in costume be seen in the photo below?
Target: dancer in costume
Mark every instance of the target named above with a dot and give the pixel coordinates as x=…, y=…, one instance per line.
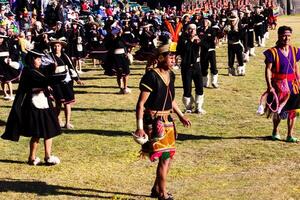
x=63, y=91
x=153, y=114
x=32, y=114
x=282, y=77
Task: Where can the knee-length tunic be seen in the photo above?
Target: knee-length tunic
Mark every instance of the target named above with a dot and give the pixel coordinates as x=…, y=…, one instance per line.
x=284, y=79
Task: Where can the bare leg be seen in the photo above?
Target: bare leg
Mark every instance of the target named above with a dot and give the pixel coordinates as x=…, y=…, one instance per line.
x=3, y=85
x=161, y=176
x=48, y=147
x=125, y=81
x=276, y=121
x=94, y=62
x=10, y=88
x=68, y=114
x=33, y=145
x=119, y=81
x=291, y=125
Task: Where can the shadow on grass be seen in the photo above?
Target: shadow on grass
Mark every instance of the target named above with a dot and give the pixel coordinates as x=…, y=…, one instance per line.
x=103, y=109
x=86, y=92
x=2, y=123
x=43, y=189
x=12, y=162
x=97, y=132
x=181, y=137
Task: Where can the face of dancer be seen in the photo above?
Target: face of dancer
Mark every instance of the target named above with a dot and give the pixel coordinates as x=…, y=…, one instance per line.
x=285, y=38
x=57, y=48
x=169, y=61
x=192, y=31
x=37, y=62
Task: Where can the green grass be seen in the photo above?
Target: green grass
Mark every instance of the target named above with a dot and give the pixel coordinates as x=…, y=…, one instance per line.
x=226, y=154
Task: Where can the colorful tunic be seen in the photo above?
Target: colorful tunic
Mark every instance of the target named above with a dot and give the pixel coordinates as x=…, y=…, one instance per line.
x=157, y=116
x=285, y=80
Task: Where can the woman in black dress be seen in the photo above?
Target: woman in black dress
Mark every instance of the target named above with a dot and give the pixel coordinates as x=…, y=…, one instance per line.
x=63, y=91
x=32, y=114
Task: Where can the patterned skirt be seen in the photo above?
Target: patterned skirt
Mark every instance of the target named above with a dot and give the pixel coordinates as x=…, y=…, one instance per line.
x=160, y=145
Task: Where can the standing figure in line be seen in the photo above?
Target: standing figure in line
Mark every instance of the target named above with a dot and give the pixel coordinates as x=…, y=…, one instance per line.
x=208, y=37
x=189, y=49
x=63, y=91
x=76, y=40
x=282, y=77
x=235, y=47
x=156, y=101
x=32, y=114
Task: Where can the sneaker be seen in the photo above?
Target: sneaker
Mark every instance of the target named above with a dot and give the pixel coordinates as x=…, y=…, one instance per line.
x=200, y=111
x=127, y=91
x=52, y=160
x=188, y=111
x=291, y=139
x=276, y=137
x=34, y=162
x=6, y=97
x=69, y=126
x=11, y=98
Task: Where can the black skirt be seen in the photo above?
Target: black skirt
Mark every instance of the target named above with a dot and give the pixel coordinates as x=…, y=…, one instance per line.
x=120, y=64
x=64, y=92
x=40, y=123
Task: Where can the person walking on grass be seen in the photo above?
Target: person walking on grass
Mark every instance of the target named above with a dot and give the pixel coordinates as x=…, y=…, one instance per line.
x=63, y=92
x=282, y=77
x=32, y=114
x=153, y=115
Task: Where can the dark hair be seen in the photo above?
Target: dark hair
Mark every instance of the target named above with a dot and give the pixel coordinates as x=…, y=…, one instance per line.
x=282, y=29
x=29, y=59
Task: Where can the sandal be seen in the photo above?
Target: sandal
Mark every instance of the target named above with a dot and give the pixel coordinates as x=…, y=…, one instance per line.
x=292, y=139
x=168, y=198
x=34, y=162
x=52, y=160
x=155, y=194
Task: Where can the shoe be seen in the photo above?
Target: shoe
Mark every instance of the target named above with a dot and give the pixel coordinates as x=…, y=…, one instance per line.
x=127, y=91
x=276, y=137
x=188, y=111
x=52, y=160
x=200, y=111
x=155, y=194
x=69, y=126
x=34, y=162
x=6, y=97
x=11, y=98
x=292, y=139
x=168, y=198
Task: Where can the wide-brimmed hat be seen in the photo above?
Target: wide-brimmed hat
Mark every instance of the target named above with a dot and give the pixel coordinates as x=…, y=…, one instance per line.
x=61, y=41
x=2, y=35
x=36, y=52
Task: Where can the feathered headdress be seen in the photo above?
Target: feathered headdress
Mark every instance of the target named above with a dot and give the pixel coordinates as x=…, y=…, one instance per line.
x=174, y=34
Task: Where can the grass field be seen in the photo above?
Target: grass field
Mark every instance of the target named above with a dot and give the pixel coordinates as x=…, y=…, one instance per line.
x=226, y=154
